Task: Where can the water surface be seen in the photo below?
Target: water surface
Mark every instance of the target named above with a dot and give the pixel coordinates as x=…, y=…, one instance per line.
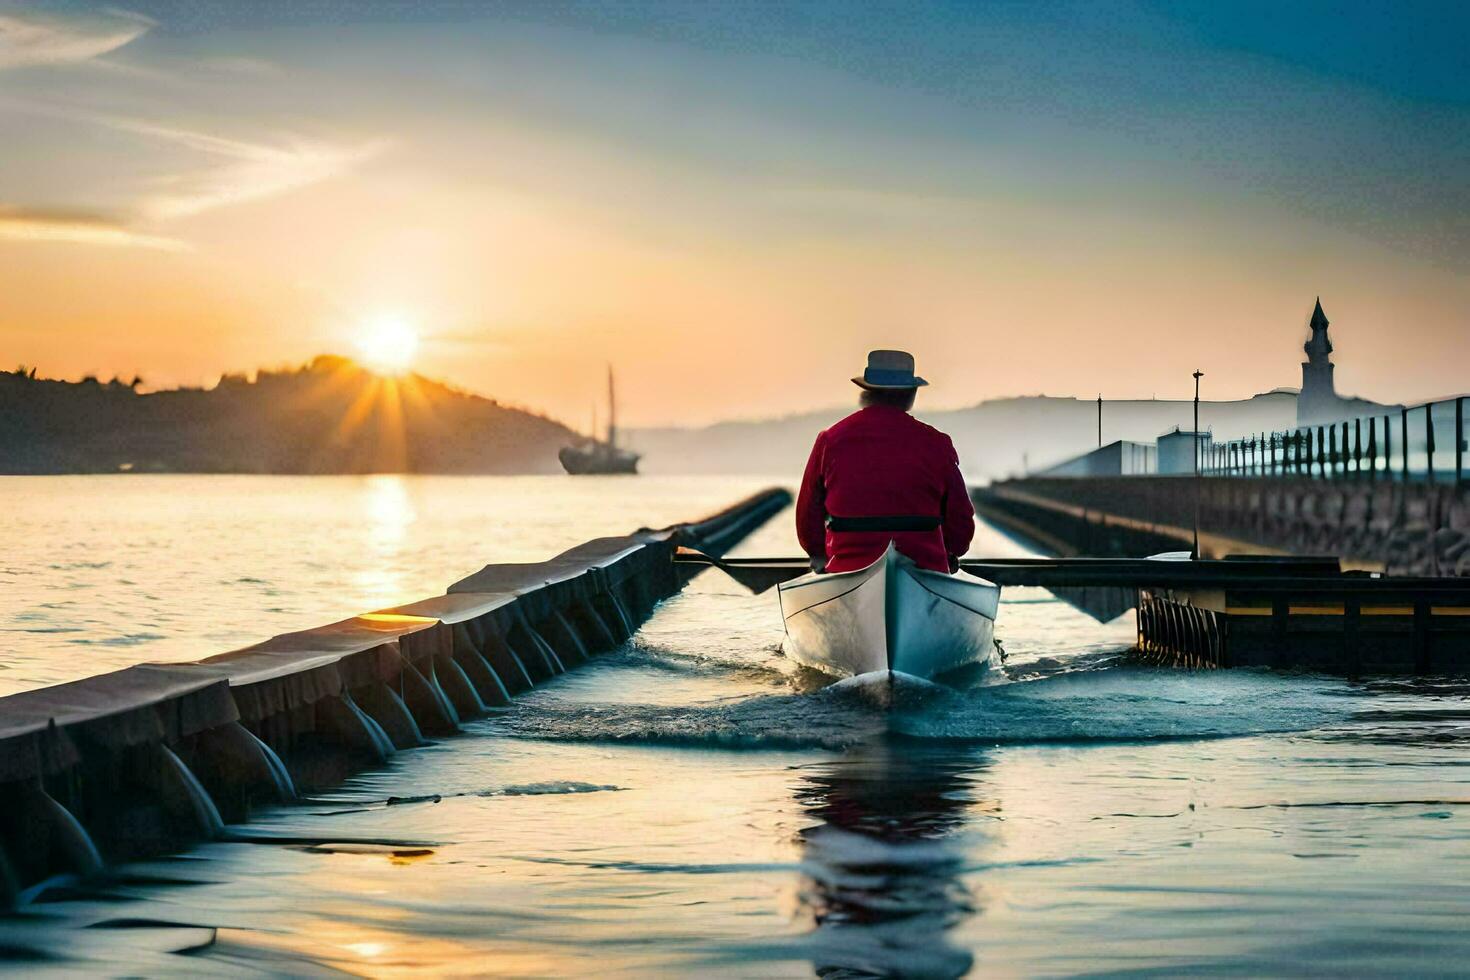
x=692, y=804
x=100, y=572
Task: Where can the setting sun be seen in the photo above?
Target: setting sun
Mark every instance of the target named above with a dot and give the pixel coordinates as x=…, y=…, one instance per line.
x=388, y=344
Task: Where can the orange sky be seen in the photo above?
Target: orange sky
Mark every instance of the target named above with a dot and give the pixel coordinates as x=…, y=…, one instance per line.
x=730, y=224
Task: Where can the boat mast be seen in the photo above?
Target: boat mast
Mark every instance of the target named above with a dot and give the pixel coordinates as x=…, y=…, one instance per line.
x=612, y=410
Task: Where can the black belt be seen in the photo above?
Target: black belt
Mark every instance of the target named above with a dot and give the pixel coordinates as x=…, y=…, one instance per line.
x=899, y=523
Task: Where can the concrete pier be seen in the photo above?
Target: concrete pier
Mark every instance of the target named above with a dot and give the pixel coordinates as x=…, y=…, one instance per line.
x=1400, y=609
x=1403, y=528
x=147, y=759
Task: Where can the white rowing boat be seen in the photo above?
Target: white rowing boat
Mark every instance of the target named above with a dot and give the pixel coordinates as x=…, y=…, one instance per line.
x=890, y=616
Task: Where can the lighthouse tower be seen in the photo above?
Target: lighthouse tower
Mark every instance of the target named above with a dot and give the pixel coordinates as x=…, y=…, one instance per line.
x=1318, y=400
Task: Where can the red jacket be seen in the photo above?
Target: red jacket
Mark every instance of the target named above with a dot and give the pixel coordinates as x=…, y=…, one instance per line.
x=883, y=462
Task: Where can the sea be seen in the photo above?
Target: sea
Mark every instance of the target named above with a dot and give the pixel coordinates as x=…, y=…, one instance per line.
x=693, y=805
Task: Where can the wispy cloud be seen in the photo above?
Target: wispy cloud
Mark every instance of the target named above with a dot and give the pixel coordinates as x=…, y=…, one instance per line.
x=78, y=228
x=200, y=169
x=243, y=170
x=32, y=39
x=233, y=170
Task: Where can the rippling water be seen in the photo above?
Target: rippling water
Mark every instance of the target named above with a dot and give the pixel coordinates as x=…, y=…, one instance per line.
x=99, y=572
x=693, y=804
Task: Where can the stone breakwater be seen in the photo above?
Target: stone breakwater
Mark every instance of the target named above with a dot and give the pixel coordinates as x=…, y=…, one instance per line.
x=148, y=759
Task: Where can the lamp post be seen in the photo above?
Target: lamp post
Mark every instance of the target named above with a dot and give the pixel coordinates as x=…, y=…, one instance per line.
x=1195, y=436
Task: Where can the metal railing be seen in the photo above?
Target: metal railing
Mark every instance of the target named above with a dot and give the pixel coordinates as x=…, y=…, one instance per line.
x=1418, y=442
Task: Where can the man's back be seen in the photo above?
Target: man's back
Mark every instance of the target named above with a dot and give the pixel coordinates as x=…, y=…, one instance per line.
x=882, y=462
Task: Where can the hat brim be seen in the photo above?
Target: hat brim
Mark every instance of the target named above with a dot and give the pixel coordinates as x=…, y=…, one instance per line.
x=869, y=386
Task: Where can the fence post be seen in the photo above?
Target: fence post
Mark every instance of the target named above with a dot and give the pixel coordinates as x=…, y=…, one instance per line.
x=1332, y=450
x=1429, y=441
x=1358, y=445
x=1404, y=438
x=1372, y=448
x=1459, y=441
x=1388, y=446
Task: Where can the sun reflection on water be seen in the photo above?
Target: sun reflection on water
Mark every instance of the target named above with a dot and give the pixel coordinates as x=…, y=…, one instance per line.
x=388, y=514
x=388, y=507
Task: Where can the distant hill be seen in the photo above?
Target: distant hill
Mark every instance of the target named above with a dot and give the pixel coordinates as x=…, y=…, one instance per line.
x=994, y=438
x=330, y=416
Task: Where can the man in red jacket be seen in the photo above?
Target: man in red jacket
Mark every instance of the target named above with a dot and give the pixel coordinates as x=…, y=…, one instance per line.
x=881, y=475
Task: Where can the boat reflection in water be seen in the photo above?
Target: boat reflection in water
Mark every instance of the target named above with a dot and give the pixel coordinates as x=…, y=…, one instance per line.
x=882, y=873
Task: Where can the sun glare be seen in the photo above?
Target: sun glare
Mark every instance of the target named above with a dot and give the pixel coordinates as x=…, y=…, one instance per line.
x=387, y=345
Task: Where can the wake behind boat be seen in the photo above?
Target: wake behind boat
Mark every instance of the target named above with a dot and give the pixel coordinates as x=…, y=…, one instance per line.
x=890, y=616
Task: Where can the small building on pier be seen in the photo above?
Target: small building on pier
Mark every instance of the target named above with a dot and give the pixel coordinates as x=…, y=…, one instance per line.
x=1178, y=449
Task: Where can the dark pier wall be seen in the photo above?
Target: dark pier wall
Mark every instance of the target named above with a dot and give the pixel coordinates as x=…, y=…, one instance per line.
x=147, y=759
x=1413, y=528
x=1413, y=619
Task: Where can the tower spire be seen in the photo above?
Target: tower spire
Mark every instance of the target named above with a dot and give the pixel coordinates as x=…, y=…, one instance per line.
x=1319, y=319
x=1318, y=398
x=1319, y=345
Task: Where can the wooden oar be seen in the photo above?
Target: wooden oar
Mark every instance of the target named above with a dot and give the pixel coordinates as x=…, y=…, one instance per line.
x=760, y=574
x=756, y=574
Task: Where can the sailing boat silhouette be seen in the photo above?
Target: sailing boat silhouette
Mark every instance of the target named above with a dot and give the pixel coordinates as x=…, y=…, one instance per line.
x=592, y=455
